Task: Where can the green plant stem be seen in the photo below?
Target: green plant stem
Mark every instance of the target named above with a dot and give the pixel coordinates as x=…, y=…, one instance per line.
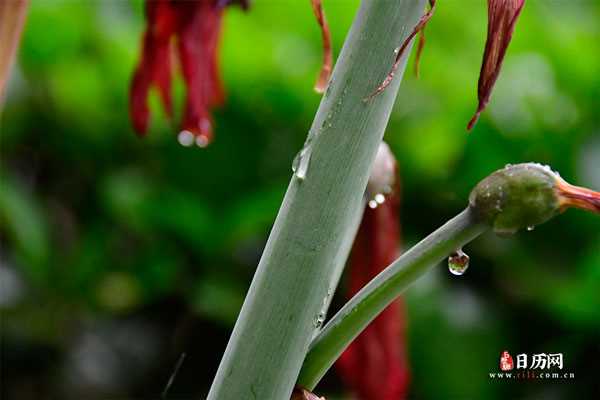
x=372, y=299
x=312, y=235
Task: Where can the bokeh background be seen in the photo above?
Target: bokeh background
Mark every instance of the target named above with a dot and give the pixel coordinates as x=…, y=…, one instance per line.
x=118, y=254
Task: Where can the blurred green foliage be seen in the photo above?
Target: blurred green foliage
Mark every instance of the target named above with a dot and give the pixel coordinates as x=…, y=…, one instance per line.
x=119, y=253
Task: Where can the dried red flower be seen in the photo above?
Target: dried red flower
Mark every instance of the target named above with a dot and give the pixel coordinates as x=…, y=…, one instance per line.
x=374, y=366
x=502, y=17
x=187, y=31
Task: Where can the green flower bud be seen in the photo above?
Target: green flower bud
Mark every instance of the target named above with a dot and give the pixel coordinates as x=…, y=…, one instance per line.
x=524, y=195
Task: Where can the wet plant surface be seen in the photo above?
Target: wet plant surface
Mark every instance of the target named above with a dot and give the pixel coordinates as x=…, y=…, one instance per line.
x=119, y=254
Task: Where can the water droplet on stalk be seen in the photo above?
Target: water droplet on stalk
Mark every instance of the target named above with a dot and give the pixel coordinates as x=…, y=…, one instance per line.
x=372, y=204
x=379, y=198
x=458, y=262
x=319, y=319
x=301, y=161
x=530, y=228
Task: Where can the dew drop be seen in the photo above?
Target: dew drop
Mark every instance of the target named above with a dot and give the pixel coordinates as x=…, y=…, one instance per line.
x=301, y=161
x=373, y=204
x=530, y=228
x=319, y=319
x=379, y=198
x=185, y=138
x=458, y=262
x=202, y=141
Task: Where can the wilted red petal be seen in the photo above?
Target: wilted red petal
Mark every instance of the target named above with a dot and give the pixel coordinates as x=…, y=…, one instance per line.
x=162, y=76
x=400, y=50
x=374, y=366
x=138, y=95
x=327, y=66
x=195, y=26
x=502, y=16
x=199, y=20
x=154, y=66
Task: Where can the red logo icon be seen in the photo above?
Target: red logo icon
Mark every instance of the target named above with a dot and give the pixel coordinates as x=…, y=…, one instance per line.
x=506, y=361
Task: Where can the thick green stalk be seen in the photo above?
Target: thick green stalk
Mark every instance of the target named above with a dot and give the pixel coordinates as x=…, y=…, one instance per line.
x=354, y=317
x=315, y=227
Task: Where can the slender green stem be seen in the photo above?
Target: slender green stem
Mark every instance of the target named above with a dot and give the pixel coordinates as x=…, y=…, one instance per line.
x=354, y=317
x=312, y=235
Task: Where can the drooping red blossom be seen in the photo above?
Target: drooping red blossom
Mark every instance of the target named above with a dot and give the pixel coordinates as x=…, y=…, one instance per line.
x=375, y=366
x=502, y=17
x=184, y=33
x=327, y=66
x=400, y=50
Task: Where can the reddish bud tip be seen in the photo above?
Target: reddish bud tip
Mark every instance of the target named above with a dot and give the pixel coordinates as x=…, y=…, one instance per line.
x=577, y=197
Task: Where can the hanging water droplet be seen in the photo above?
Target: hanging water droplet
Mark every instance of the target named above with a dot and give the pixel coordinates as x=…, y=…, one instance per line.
x=458, y=262
x=372, y=204
x=301, y=161
x=396, y=50
x=530, y=228
x=379, y=198
x=202, y=141
x=185, y=138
